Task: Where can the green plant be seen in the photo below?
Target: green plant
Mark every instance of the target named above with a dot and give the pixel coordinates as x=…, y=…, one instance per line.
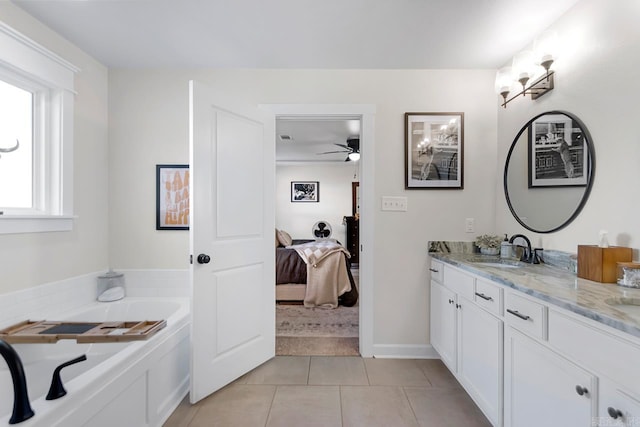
x=488, y=241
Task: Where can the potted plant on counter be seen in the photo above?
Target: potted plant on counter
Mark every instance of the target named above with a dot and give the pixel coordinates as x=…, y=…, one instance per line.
x=489, y=244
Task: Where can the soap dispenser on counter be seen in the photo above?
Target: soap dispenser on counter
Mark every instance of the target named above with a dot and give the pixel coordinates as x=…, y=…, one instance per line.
x=506, y=248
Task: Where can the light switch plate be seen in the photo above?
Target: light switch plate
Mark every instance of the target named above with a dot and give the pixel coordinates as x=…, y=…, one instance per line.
x=398, y=204
x=469, y=225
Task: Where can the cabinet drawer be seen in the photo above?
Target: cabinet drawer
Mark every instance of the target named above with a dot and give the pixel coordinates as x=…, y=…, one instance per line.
x=592, y=345
x=436, y=269
x=489, y=297
x=526, y=315
x=459, y=282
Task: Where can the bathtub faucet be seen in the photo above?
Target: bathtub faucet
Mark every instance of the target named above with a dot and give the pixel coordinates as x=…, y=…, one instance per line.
x=21, y=406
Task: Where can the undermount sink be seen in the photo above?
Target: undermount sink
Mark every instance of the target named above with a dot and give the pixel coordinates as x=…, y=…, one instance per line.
x=629, y=306
x=500, y=263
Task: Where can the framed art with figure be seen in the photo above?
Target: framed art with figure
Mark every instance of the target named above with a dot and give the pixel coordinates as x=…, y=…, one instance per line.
x=305, y=191
x=434, y=150
x=172, y=197
x=557, y=153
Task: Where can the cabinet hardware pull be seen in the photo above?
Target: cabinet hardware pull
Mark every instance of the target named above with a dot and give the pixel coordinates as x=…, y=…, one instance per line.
x=581, y=390
x=515, y=313
x=450, y=301
x=458, y=305
x=484, y=297
x=433, y=269
x=614, y=413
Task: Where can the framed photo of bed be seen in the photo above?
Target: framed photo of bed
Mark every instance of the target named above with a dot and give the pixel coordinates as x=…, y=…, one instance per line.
x=434, y=150
x=172, y=197
x=305, y=191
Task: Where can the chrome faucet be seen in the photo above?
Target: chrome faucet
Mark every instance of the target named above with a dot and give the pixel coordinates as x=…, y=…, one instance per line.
x=21, y=406
x=527, y=254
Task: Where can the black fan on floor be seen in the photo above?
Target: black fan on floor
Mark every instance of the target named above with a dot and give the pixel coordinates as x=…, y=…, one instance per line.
x=321, y=230
x=352, y=148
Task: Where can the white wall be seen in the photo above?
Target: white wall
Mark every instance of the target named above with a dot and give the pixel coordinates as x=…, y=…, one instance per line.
x=335, y=198
x=149, y=125
x=596, y=80
x=33, y=259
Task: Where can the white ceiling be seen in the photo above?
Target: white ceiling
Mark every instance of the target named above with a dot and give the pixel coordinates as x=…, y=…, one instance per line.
x=311, y=136
x=336, y=34
x=383, y=34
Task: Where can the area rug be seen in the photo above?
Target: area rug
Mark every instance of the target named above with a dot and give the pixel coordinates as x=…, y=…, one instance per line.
x=301, y=321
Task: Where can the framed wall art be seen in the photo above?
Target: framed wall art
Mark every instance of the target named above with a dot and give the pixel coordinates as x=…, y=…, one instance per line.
x=305, y=191
x=172, y=197
x=434, y=150
x=557, y=153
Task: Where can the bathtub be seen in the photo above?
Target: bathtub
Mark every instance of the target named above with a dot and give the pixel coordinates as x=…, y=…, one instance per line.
x=130, y=384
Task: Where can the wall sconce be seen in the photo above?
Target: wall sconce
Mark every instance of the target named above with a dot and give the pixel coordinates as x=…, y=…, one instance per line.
x=527, y=66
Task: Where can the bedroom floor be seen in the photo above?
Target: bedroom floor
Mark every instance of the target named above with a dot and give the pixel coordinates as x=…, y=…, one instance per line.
x=302, y=331
x=337, y=391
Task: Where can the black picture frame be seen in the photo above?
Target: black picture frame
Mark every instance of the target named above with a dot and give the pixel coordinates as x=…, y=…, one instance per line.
x=557, y=155
x=434, y=150
x=172, y=197
x=305, y=191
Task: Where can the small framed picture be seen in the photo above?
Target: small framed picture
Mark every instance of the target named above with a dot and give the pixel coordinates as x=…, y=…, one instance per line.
x=172, y=197
x=305, y=191
x=557, y=153
x=434, y=150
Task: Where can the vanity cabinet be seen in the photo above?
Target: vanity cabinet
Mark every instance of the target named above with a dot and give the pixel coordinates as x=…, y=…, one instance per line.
x=529, y=362
x=542, y=388
x=468, y=336
x=443, y=324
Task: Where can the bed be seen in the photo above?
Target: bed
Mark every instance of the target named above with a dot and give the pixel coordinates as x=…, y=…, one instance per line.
x=291, y=276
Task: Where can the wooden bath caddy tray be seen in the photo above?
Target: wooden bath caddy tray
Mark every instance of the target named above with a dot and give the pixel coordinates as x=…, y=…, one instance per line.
x=45, y=331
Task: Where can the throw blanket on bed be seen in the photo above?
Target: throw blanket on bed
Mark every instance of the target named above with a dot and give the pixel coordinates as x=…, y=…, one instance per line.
x=327, y=276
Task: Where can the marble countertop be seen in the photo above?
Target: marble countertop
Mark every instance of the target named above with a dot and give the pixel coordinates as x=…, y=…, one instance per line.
x=557, y=287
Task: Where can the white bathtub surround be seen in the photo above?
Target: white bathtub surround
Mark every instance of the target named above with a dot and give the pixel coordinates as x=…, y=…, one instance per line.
x=137, y=383
x=53, y=300
x=129, y=384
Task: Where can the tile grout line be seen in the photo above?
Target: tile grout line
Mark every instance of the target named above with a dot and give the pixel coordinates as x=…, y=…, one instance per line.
x=341, y=411
x=275, y=391
x=404, y=392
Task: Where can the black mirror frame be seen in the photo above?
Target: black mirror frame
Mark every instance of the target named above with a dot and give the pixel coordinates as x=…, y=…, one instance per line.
x=590, y=178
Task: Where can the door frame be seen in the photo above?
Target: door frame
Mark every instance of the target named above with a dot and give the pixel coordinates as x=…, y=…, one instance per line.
x=366, y=113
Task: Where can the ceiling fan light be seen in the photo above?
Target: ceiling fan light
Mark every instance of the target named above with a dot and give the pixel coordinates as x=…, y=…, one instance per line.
x=354, y=157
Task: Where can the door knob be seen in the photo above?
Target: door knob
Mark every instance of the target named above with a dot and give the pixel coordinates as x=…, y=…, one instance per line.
x=203, y=259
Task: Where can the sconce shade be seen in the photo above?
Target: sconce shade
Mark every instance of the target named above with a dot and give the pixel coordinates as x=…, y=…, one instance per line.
x=504, y=80
x=523, y=66
x=545, y=49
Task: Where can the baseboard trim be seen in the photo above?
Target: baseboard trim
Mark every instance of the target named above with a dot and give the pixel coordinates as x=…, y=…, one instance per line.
x=404, y=351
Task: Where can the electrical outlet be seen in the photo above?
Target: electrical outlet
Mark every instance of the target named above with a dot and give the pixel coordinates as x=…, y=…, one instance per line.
x=470, y=225
x=398, y=204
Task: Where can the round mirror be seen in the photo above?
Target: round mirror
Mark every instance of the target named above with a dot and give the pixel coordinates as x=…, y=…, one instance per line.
x=549, y=171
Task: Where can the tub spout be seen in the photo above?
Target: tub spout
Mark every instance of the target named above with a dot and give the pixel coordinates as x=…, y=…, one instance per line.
x=56, y=390
x=21, y=406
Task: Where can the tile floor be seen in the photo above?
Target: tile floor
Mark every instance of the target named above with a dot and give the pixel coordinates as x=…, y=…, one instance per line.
x=327, y=391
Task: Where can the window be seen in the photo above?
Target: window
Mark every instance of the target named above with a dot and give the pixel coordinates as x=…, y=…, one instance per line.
x=16, y=149
x=36, y=137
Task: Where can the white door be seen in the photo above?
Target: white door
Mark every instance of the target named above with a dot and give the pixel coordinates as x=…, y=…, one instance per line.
x=232, y=232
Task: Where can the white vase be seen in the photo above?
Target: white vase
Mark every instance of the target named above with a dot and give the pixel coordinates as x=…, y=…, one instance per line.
x=490, y=251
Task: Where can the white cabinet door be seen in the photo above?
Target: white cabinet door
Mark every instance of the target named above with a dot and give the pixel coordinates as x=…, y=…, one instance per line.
x=542, y=388
x=616, y=408
x=443, y=324
x=480, y=340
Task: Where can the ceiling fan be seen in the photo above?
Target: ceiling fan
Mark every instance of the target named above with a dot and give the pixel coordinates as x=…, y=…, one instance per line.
x=352, y=148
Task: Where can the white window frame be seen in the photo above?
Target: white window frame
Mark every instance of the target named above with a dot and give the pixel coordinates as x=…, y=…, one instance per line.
x=51, y=78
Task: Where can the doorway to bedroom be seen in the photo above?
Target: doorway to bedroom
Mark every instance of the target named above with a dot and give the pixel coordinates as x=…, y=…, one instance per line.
x=317, y=223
